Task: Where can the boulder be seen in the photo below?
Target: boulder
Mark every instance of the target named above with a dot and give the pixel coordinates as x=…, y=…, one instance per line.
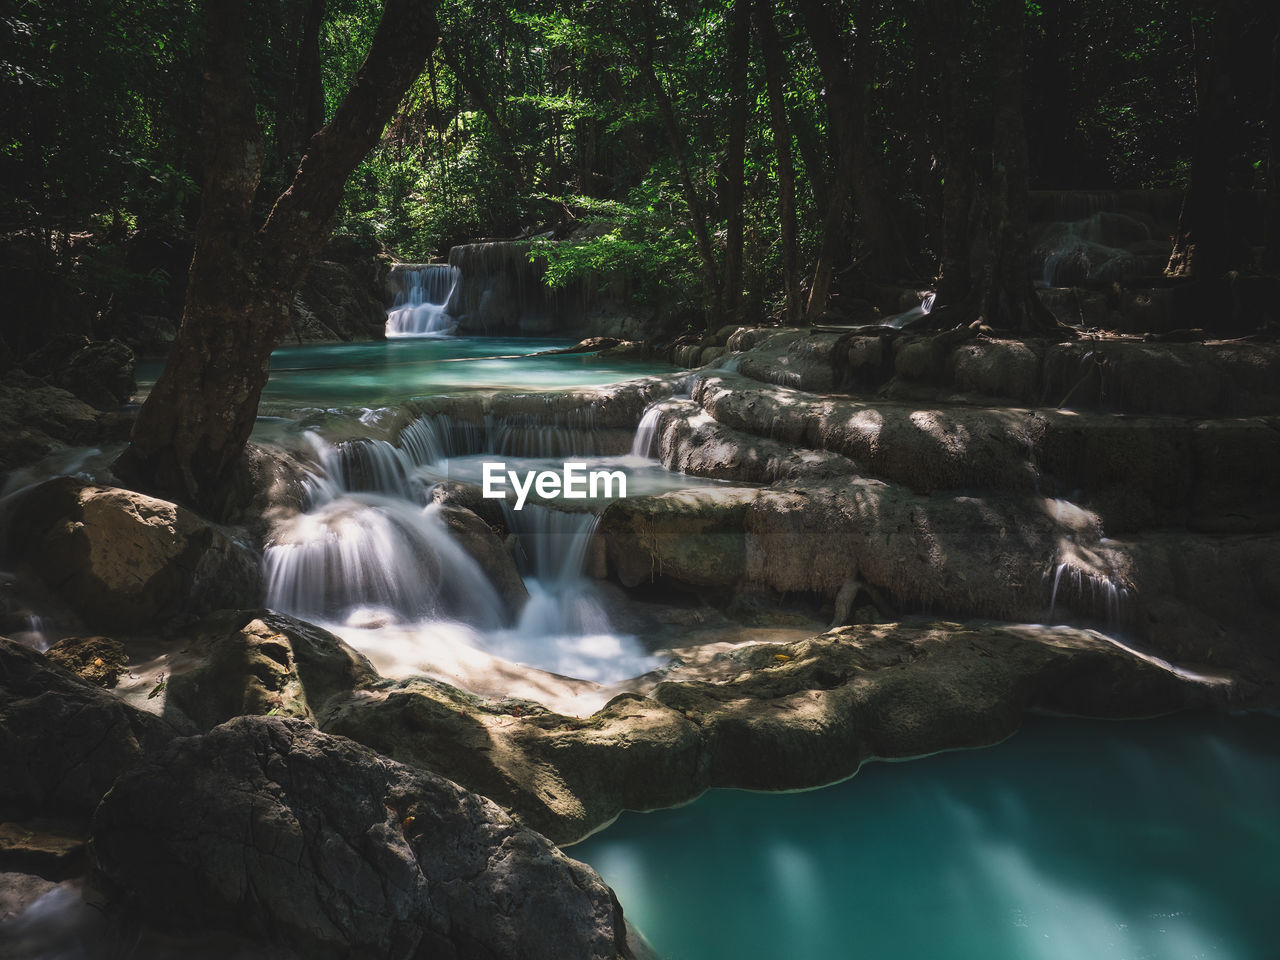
x=490, y=552
x=96, y=659
x=35, y=418
x=268, y=826
x=122, y=559
x=63, y=741
x=99, y=372
x=255, y=662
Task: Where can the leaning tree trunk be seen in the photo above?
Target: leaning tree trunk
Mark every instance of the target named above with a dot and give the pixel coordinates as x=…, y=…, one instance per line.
x=192, y=429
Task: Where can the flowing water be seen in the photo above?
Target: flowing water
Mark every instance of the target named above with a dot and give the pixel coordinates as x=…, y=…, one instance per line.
x=371, y=375
x=373, y=559
x=1074, y=840
x=422, y=292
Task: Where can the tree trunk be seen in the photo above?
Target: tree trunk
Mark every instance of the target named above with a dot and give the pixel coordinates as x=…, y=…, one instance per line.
x=858, y=167
x=676, y=140
x=299, y=90
x=191, y=430
x=954, y=282
x=1201, y=244
x=1271, y=251
x=1008, y=298
x=771, y=52
x=733, y=189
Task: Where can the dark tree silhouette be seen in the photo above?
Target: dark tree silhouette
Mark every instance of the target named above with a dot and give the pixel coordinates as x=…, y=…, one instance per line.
x=191, y=431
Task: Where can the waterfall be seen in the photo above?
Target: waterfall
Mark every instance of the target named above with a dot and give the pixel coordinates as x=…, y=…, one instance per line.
x=435, y=438
x=1094, y=595
x=1099, y=248
x=647, y=430
x=365, y=555
x=370, y=562
x=903, y=319
x=572, y=434
x=564, y=627
x=421, y=295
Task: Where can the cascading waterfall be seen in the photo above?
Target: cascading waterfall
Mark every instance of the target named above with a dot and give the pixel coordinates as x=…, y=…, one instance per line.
x=363, y=558
x=564, y=628
x=904, y=318
x=370, y=561
x=363, y=465
x=647, y=430
x=1102, y=247
x=435, y=438
x=1093, y=595
x=573, y=434
x=421, y=298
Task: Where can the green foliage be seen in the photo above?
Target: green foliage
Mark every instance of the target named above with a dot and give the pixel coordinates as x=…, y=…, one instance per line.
x=537, y=113
x=638, y=240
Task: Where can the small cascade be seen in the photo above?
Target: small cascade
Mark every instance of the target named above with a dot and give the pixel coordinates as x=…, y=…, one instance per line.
x=435, y=437
x=572, y=434
x=365, y=556
x=564, y=628
x=1087, y=593
x=362, y=465
x=420, y=300
x=370, y=466
x=1100, y=248
x=553, y=543
x=900, y=320
x=647, y=431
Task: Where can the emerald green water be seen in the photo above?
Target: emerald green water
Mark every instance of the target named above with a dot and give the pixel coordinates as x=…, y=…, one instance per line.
x=1155, y=840
x=390, y=372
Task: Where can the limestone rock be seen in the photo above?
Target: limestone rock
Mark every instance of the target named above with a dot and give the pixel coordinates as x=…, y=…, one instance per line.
x=63, y=741
x=123, y=559
x=764, y=716
x=335, y=303
x=35, y=418
x=96, y=659
x=99, y=372
x=255, y=662
x=267, y=825
x=488, y=550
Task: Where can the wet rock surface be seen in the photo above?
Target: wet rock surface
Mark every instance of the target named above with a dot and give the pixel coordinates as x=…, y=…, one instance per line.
x=267, y=825
x=764, y=716
x=99, y=372
x=36, y=418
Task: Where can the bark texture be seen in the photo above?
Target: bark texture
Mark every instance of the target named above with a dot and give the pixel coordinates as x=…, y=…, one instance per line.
x=190, y=432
